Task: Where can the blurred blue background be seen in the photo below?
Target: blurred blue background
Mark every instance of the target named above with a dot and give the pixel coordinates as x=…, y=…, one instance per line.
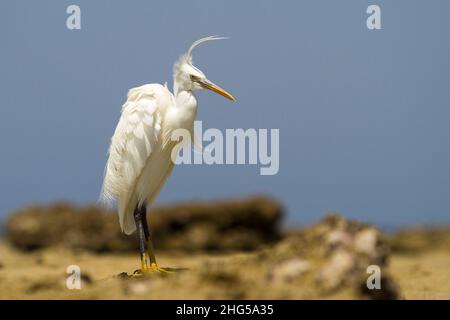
x=364, y=116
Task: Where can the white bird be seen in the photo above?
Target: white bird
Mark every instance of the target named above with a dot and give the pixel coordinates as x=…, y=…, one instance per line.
x=140, y=152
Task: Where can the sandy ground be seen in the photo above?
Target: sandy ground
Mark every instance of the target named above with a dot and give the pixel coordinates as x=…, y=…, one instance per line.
x=423, y=276
x=254, y=258
x=42, y=275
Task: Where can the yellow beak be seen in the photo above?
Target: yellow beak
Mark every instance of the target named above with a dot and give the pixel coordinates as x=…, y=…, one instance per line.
x=213, y=87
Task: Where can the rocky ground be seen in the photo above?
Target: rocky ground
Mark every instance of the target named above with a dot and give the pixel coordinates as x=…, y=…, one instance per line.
x=326, y=261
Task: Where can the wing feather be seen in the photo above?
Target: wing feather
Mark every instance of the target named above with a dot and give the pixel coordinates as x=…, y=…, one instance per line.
x=136, y=137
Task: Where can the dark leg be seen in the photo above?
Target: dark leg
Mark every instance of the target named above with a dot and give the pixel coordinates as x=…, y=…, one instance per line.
x=148, y=241
x=145, y=224
x=140, y=218
x=145, y=244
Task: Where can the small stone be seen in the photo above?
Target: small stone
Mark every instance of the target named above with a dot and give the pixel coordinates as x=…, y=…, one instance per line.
x=337, y=238
x=86, y=278
x=366, y=241
x=123, y=275
x=336, y=271
x=138, y=288
x=289, y=270
x=389, y=289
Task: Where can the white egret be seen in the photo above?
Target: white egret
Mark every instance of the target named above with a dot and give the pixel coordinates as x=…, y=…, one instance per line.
x=140, y=152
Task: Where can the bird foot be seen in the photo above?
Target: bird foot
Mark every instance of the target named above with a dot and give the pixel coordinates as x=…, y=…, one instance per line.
x=153, y=269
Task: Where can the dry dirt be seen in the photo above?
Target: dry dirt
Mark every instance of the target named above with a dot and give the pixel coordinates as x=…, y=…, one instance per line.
x=41, y=275
x=230, y=250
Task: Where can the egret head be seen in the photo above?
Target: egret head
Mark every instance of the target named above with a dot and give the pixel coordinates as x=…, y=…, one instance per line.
x=188, y=77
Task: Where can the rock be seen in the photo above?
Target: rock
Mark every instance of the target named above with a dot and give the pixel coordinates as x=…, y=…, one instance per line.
x=337, y=238
x=289, y=270
x=337, y=270
x=389, y=289
x=86, y=279
x=65, y=225
x=366, y=241
x=225, y=225
x=245, y=224
x=339, y=252
x=137, y=288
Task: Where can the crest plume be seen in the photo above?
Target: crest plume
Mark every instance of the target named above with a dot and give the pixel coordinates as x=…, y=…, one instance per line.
x=198, y=42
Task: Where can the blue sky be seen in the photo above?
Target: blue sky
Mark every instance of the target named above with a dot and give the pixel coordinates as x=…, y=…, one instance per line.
x=364, y=116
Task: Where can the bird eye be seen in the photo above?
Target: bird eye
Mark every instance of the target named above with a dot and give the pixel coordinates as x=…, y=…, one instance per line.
x=194, y=78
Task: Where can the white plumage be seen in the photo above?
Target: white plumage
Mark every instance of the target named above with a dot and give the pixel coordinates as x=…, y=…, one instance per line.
x=140, y=152
x=135, y=147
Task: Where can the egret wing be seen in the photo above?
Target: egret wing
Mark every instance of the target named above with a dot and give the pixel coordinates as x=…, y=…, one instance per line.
x=136, y=137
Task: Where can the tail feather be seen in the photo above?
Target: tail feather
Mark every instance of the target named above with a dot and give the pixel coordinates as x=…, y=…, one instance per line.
x=126, y=216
